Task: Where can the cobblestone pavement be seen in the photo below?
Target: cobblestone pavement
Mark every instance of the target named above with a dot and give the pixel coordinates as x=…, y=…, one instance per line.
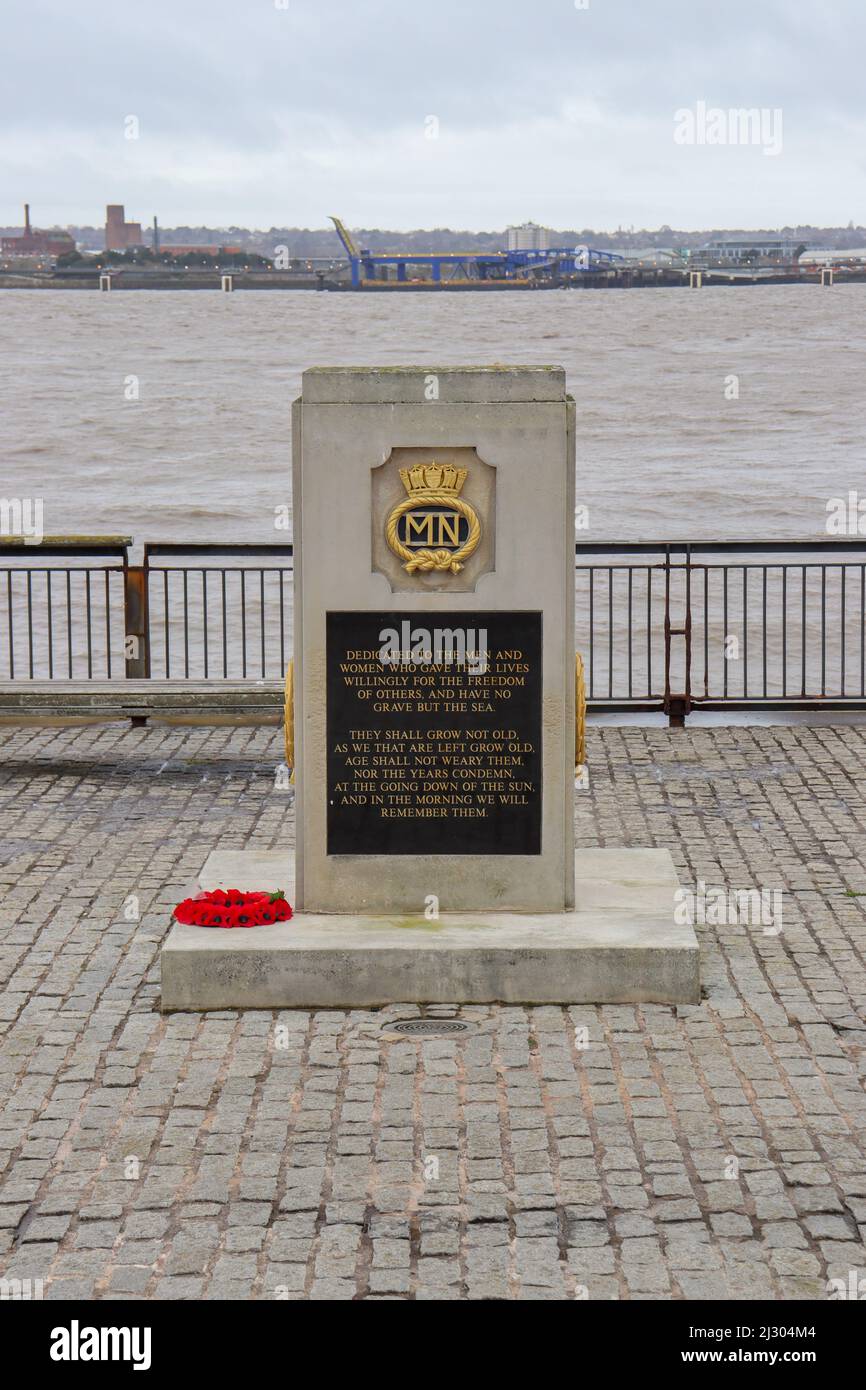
x=615, y=1152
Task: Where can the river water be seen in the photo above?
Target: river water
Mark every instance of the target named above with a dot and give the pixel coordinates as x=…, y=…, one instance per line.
x=711, y=414
x=666, y=448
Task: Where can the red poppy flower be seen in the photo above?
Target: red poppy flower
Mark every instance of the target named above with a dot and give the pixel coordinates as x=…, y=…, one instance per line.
x=232, y=908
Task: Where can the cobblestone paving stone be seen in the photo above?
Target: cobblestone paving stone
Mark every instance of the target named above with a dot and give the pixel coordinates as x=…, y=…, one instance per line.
x=550, y=1153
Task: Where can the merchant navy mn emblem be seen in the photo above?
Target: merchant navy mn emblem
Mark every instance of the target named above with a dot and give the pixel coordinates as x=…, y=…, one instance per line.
x=433, y=527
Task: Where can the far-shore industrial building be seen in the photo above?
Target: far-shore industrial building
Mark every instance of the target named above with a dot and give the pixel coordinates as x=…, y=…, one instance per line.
x=120, y=235
x=33, y=242
x=723, y=251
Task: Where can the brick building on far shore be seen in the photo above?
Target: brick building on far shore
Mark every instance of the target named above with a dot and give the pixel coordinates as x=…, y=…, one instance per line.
x=33, y=242
x=120, y=235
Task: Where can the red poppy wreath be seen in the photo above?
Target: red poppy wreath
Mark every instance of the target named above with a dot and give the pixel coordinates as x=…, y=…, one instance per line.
x=231, y=908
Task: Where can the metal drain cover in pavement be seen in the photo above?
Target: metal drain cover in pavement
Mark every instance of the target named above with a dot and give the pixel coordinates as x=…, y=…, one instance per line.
x=428, y=1027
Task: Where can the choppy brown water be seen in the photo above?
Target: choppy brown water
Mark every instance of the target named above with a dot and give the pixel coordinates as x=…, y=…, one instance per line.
x=205, y=451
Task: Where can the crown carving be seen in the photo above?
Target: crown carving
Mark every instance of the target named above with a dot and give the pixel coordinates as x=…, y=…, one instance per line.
x=433, y=477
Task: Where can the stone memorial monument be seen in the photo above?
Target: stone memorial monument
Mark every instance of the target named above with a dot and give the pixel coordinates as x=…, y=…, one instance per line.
x=434, y=723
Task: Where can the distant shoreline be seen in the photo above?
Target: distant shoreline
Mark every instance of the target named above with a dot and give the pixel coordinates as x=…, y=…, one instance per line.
x=260, y=282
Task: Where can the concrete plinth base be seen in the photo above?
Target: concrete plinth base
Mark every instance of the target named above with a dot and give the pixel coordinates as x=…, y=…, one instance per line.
x=621, y=946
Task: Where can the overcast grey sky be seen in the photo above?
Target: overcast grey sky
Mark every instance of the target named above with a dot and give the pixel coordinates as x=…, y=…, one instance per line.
x=258, y=115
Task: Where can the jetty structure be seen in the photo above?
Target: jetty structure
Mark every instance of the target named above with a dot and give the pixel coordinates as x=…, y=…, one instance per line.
x=519, y=267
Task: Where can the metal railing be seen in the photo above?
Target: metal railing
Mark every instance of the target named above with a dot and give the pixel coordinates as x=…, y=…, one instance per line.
x=661, y=625
x=63, y=608
x=74, y=608
x=212, y=620
x=722, y=624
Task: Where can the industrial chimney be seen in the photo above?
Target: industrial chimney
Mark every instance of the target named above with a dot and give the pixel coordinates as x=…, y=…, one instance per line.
x=27, y=219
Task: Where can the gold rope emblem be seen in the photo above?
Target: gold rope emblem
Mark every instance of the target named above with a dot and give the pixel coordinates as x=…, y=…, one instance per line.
x=434, y=485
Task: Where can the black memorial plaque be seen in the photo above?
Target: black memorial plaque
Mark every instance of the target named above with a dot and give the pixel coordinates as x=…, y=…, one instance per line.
x=440, y=753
